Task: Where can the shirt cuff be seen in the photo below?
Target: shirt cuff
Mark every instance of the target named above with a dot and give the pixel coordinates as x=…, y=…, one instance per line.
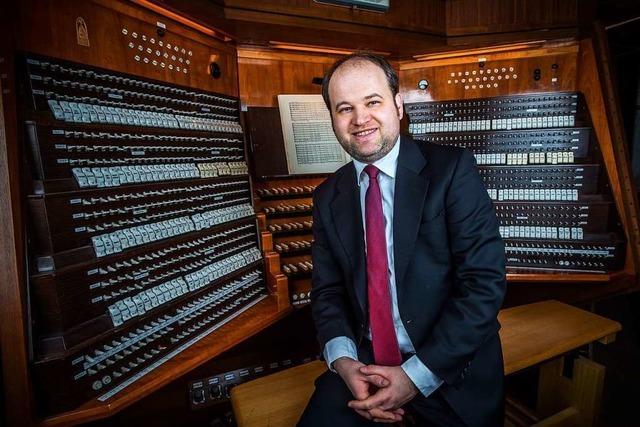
x=339, y=347
x=425, y=380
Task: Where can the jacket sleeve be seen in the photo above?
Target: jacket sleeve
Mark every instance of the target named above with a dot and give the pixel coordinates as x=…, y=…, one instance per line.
x=330, y=305
x=479, y=281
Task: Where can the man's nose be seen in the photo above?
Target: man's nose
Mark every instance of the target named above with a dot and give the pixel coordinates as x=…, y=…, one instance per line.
x=361, y=116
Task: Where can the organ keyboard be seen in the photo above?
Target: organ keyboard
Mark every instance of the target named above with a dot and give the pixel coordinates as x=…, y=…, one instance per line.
x=536, y=157
x=145, y=239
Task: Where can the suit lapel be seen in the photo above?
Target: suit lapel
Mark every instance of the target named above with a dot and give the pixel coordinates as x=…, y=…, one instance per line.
x=409, y=196
x=347, y=217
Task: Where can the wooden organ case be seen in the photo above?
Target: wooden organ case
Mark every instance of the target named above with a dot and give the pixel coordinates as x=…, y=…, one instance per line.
x=143, y=247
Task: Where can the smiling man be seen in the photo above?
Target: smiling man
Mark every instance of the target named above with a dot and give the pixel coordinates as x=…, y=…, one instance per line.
x=408, y=270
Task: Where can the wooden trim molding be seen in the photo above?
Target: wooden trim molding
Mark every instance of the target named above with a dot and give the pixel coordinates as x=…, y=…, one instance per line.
x=13, y=342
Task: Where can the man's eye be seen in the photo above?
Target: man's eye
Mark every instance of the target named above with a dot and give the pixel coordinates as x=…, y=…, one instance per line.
x=374, y=103
x=344, y=110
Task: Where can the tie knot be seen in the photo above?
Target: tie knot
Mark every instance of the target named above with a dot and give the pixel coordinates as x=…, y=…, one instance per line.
x=372, y=171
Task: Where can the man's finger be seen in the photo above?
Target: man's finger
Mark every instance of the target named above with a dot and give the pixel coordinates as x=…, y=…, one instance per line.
x=376, y=380
x=379, y=414
x=380, y=420
x=371, y=402
x=399, y=411
x=374, y=370
x=364, y=414
x=360, y=393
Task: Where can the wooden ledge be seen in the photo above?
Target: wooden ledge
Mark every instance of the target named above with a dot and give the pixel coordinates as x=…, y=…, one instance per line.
x=560, y=278
x=537, y=332
x=250, y=322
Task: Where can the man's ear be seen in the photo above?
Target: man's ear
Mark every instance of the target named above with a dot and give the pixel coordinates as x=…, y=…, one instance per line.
x=399, y=105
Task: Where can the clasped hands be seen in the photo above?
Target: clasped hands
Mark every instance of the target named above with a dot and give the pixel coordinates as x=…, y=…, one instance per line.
x=379, y=391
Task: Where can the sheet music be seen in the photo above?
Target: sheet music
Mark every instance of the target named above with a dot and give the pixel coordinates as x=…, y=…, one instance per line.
x=309, y=141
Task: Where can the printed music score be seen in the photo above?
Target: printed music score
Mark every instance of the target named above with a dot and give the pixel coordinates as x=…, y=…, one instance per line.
x=310, y=145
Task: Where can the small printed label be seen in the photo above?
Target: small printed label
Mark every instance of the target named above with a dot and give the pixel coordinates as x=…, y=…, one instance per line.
x=75, y=201
x=92, y=272
x=61, y=146
x=139, y=211
x=80, y=229
x=57, y=132
x=77, y=360
x=63, y=161
x=79, y=375
x=161, y=25
x=96, y=299
x=35, y=77
x=77, y=215
x=38, y=92
x=33, y=62
x=94, y=285
x=137, y=152
x=114, y=96
x=205, y=109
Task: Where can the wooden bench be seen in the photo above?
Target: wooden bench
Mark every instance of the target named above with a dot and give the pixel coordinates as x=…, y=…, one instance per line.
x=531, y=334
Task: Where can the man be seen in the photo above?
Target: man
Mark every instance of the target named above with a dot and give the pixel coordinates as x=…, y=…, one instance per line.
x=408, y=270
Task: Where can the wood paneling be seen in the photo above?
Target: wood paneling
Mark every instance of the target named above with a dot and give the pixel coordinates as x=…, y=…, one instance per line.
x=265, y=74
x=443, y=73
x=599, y=95
x=109, y=46
x=414, y=15
x=466, y=17
x=13, y=328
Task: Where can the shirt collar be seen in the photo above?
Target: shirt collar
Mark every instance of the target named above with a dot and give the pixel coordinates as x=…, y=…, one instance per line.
x=387, y=165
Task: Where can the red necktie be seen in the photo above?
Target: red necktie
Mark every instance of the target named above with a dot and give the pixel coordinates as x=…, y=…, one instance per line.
x=383, y=335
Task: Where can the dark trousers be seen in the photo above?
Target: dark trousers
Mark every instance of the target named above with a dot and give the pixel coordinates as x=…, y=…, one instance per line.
x=328, y=405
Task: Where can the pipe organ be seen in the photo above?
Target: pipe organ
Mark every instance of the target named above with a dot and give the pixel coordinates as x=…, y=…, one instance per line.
x=144, y=233
x=534, y=148
x=156, y=226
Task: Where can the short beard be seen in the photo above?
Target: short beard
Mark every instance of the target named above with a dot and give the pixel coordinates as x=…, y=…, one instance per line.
x=385, y=147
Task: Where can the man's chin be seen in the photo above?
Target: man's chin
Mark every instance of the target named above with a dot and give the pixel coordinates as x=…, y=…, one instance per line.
x=369, y=156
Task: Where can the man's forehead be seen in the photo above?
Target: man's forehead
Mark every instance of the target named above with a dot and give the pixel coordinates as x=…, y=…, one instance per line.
x=361, y=71
x=356, y=64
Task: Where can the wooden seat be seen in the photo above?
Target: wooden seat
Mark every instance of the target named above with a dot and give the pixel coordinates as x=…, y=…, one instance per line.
x=530, y=334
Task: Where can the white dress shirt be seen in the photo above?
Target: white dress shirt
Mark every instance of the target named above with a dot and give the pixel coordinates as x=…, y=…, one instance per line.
x=425, y=380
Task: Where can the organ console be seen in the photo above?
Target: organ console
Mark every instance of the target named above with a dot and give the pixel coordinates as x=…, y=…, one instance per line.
x=144, y=235
x=156, y=226
x=550, y=166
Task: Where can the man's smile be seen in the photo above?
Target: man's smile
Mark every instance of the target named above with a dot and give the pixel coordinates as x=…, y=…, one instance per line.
x=365, y=132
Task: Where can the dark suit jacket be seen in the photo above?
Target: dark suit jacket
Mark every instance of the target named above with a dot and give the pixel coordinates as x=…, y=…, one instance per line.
x=449, y=266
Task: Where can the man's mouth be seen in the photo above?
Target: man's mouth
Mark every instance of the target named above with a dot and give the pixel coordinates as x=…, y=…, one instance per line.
x=365, y=132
